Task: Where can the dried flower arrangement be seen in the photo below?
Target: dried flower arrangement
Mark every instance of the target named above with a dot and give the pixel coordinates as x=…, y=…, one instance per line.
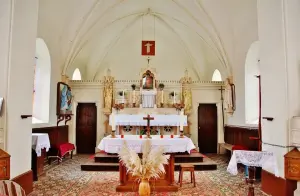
x=150, y=166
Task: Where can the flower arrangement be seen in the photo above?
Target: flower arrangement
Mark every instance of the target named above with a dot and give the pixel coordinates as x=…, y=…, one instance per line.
x=121, y=93
x=133, y=86
x=179, y=106
x=172, y=94
x=151, y=165
x=161, y=86
x=118, y=106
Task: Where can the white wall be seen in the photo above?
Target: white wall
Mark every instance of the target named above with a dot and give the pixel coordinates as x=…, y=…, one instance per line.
x=278, y=34
x=18, y=24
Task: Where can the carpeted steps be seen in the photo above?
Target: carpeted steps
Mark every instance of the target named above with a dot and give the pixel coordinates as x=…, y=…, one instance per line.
x=110, y=162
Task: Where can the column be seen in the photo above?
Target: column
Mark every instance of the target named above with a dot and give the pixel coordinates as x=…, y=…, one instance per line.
x=279, y=31
x=72, y=129
x=220, y=126
x=18, y=32
x=100, y=125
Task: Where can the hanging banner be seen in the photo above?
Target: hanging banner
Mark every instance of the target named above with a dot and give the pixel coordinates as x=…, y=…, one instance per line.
x=148, y=48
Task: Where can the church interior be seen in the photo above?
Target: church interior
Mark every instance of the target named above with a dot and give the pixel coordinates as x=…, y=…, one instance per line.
x=149, y=97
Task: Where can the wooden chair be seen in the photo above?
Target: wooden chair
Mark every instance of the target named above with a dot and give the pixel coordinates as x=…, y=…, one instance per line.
x=10, y=188
x=187, y=167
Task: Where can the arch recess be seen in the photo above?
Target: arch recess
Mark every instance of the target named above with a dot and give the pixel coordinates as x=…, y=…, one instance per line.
x=252, y=84
x=76, y=75
x=216, y=76
x=42, y=78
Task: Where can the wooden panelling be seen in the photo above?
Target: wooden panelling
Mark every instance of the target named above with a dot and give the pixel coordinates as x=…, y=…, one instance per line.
x=275, y=186
x=25, y=180
x=240, y=136
x=57, y=134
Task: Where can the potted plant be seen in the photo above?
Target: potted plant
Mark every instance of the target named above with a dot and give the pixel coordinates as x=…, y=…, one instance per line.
x=172, y=94
x=121, y=93
x=145, y=168
x=161, y=86
x=133, y=86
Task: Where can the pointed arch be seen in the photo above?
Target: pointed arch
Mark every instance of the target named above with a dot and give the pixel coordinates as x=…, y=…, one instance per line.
x=76, y=74
x=216, y=76
x=252, y=84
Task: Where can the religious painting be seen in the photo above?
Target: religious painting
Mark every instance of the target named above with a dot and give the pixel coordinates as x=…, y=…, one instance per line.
x=64, y=99
x=148, y=80
x=148, y=48
x=1, y=103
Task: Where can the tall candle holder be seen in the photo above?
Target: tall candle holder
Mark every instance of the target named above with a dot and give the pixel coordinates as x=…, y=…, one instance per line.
x=181, y=134
x=113, y=134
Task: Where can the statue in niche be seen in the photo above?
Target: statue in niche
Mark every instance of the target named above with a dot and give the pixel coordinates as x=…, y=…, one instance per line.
x=108, y=91
x=229, y=97
x=186, y=92
x=147, y=82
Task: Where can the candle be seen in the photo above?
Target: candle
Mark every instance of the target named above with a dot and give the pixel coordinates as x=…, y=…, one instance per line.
x=162, y=96
x=174, y=98
x=181, y=120
x=133, y=96
x=123, y=97
x=113, y=124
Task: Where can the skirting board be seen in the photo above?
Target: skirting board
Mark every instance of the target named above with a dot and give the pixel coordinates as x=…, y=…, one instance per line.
x=25, y=180
x=277, y=186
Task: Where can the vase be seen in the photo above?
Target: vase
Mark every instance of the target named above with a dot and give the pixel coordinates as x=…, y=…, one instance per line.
x=144, y=188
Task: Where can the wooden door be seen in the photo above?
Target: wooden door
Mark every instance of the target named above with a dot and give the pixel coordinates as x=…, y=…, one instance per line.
x=86, y=128
x=207, y=128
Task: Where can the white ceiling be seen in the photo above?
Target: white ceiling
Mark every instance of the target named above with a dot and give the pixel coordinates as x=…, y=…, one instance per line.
x=94, y=35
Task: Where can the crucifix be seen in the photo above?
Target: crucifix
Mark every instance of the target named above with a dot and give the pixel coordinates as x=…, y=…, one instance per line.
x=148, y=118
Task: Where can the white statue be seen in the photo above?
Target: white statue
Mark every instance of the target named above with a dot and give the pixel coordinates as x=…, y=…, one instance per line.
x=228, y=97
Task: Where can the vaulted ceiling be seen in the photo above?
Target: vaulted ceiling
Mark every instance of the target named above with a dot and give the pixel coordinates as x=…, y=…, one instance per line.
x=95, y=35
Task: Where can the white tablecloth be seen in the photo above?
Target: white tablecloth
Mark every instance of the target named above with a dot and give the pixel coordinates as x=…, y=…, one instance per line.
x=263, y=159
x=171, y=145
x=40, y=141
x=148, y=98
x=159, y=120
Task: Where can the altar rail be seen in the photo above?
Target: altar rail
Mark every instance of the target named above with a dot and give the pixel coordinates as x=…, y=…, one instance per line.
x=239, y=135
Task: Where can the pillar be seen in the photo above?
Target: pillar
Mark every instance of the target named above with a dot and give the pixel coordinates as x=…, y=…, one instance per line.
x=279, y=30
x=18, y=29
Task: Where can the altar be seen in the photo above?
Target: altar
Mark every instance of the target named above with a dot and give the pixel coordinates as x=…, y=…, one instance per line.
x=171, y=145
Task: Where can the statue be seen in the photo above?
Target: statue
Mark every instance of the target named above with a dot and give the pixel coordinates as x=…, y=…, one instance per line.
x=108, y=91
x=148, y=80
x=186, y=92
x=229, y=97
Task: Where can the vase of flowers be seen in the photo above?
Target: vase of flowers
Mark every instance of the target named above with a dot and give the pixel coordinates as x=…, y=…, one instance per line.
x=151, y=165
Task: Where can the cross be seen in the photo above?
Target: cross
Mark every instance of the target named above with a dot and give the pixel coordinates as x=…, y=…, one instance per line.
x=148, y=118
x=222, y=99
x=148, y=45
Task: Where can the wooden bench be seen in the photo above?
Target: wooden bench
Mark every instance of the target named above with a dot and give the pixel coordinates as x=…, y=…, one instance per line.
x=225, y=146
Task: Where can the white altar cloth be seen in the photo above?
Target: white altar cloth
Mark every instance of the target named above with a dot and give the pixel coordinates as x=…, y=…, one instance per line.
x=40, y=141
x=148, y=98
x=159, y=120
x=263, y=159
x=171, y=145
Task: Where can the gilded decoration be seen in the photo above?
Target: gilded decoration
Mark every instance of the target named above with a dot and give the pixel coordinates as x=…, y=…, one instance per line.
x=186, y=92
x=108, y=92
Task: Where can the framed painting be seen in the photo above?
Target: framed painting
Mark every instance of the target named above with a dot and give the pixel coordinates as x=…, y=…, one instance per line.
x=148, y=80
x=64, y=99
x=1, y=103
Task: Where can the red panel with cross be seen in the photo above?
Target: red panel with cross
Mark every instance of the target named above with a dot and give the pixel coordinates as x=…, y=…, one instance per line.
x=148, y=48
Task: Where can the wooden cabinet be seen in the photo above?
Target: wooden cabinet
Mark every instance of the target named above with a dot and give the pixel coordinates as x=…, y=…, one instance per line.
x=4, y=165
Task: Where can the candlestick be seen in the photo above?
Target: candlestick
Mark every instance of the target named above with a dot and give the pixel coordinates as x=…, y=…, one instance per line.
x=181, y=120
x=174, y=98
x=113, y=124
x=133, y=94
x=162, y=96
x=123, y=97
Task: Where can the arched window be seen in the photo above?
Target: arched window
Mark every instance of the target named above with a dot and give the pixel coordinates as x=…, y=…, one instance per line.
x=252, y=84
x=76, y=74
x=41, y=88
x=216, y=76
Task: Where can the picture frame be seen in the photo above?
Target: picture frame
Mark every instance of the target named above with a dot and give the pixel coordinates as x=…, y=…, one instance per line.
x=1, y=103
x=64, y=99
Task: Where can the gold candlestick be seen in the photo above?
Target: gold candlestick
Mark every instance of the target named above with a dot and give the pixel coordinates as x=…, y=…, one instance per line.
x=113, y=134
x=181, y=134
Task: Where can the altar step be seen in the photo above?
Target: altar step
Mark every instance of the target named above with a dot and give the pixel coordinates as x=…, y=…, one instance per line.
x=91, y=165
x=179, y=158
x=110, y=162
